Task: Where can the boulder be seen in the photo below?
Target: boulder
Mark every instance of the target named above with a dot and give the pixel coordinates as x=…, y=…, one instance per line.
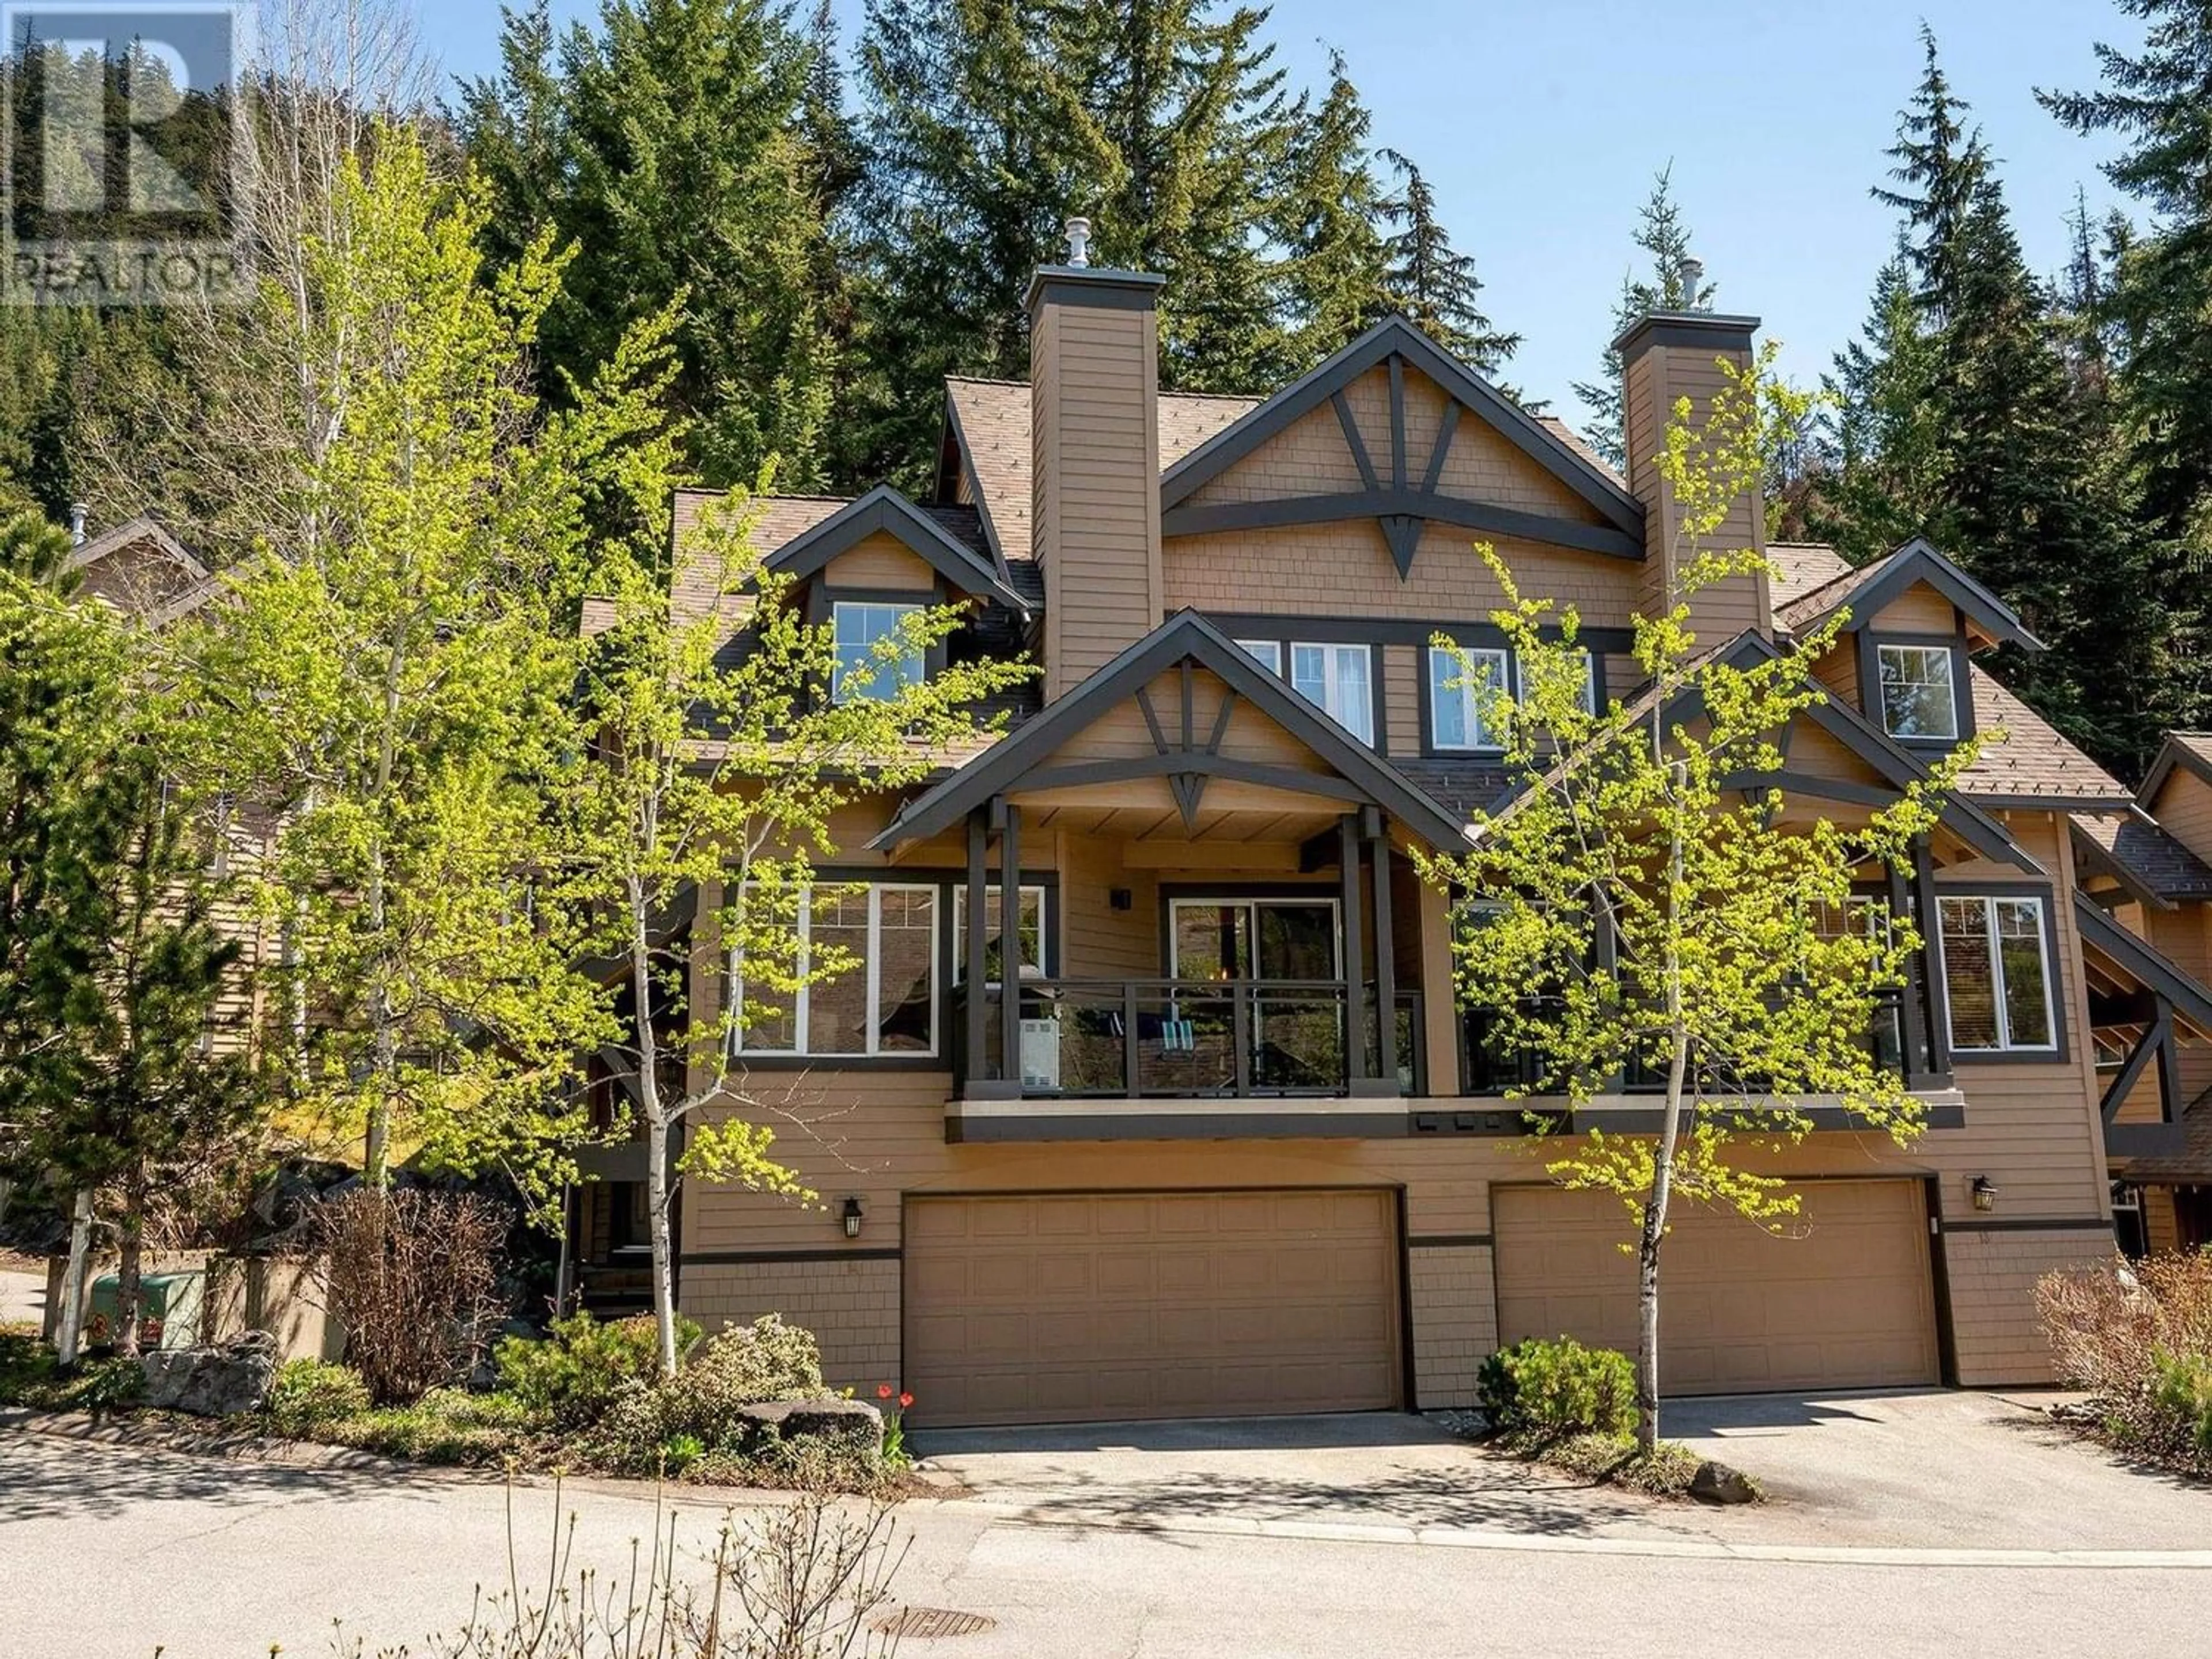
x=852, y=1425
x=1716, y=1483
x=221, y=1381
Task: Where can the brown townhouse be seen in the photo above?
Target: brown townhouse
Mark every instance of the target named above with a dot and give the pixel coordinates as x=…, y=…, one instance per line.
x=1228, y=1146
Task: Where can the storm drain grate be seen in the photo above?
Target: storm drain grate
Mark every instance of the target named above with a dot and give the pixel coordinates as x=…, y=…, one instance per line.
x=923, y=1623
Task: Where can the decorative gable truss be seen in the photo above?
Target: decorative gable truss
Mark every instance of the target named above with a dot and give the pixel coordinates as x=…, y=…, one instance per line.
x=1399, y=484
x=885, y=511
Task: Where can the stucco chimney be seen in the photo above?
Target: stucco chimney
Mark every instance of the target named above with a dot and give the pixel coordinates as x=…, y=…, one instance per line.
x=1665, y=356
x=1095, y=459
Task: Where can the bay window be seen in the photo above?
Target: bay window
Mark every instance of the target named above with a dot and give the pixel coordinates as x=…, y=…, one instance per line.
x=1996, y=974
x=865, y=960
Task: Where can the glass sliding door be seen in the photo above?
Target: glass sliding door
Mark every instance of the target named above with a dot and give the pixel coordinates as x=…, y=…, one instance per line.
x=1279, y=1023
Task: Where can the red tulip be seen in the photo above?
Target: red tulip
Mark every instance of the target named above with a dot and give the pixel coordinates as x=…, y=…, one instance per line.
x=883, y=1390
x=905, y=1400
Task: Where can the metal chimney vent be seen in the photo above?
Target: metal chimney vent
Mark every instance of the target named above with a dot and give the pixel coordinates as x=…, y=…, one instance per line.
x=1079, y=243
x=1693, y=278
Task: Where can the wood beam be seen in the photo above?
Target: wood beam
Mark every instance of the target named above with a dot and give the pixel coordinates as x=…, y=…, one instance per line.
x=1353, y=439
x=1378, y=503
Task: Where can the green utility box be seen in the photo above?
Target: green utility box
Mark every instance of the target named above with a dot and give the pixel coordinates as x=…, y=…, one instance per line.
x=173, y=1299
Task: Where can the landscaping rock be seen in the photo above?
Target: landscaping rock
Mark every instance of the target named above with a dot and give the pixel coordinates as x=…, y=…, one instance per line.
x=222, y=1381
x=1716, y=1483
x=852, y=1425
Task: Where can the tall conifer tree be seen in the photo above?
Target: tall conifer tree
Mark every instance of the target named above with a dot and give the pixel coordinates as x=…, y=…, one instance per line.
x=2159, y=308
x=1663, y=238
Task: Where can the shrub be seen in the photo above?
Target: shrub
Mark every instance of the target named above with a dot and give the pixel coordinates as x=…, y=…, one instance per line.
x=411, y=1280
x=2137, y=1337
x=2182, y=1390
x=1559, y=1386
x=741, y=1366
x=571, y=1377
x=27, y=1369
x=309, y=1394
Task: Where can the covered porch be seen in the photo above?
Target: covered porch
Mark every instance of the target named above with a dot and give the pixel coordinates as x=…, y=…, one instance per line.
x=1222, y=930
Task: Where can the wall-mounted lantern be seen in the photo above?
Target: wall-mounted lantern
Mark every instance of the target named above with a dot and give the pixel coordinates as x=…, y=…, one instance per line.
x=1985, y=1191
x=852, y=1217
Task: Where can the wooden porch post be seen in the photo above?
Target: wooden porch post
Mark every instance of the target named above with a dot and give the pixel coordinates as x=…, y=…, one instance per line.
x=976, y=1034
x=1386, y=970
x=1355, y=983
x=1918, y=1052
x=1930, y=918
x=1010, y=950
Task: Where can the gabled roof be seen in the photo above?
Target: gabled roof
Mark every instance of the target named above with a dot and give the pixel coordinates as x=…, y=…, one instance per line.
x=140, y=532
x=2036, y=765
x=2100, y=933
x=885, y=511
x=1397, y=337
x=2155, y=868
x=1871, y=587
x=989, y=420
x=2189, y=750
x=1185, y=637
x=1857, y=734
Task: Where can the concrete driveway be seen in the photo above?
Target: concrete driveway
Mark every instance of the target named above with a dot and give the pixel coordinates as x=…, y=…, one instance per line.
x=1943, y=1470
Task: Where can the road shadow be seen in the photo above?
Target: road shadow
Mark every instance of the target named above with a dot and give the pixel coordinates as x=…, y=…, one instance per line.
x=53, y=1477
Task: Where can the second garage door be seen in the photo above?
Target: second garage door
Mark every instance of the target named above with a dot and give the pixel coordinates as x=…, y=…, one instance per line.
x=1049, y=1308
x=1848, y=1303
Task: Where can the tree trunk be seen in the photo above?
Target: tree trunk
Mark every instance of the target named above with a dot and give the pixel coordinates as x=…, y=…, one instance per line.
x=1647, y=1247
x=1662, y=1160
x=68, y=1333
x=654, y=1112
x=130, y=1290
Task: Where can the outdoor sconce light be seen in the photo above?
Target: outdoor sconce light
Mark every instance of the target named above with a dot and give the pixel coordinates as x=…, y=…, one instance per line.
x=1985, y=1193
x=852, y=1217
x=1120, y=898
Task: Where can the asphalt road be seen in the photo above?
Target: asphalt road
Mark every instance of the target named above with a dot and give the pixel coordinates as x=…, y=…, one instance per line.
x=112, y=1552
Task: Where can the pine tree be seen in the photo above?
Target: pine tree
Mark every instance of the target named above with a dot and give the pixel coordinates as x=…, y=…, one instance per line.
x=1328, y=221
x=1960, y=419
x=979, y=145
x=1433, y=283
x=1193, y=110
x=1663, y=236
x=2159, y=308
x=1878, y=475
x=668, y=151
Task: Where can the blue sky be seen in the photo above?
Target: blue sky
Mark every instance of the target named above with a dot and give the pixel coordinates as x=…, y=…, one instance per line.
x=1542, y=122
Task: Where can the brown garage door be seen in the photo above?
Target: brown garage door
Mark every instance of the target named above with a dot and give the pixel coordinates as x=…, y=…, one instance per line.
x=1848, y=1303
x=1056, y=1308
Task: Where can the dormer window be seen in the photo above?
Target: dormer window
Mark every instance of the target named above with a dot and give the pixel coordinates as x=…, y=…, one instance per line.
x=1919, y=692
x=866, y=665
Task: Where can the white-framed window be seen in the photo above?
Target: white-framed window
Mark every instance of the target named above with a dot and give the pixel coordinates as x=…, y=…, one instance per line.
x=1997, y=973
x=1031, y=949
x=1268, y=653
x=1919, y=698
x=1467, y=698
x=1590, y=683
x=866, y=666
x=1338, y=679
x=886, y=1003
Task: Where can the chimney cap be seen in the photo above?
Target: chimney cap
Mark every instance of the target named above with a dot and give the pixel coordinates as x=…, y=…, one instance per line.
x=1078, y=231
x=78, y=513
x=1707, y=330
x=1693, y=278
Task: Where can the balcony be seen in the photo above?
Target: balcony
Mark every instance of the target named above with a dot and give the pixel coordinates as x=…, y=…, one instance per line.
x=1179, y=1058
x=1898, y=1042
